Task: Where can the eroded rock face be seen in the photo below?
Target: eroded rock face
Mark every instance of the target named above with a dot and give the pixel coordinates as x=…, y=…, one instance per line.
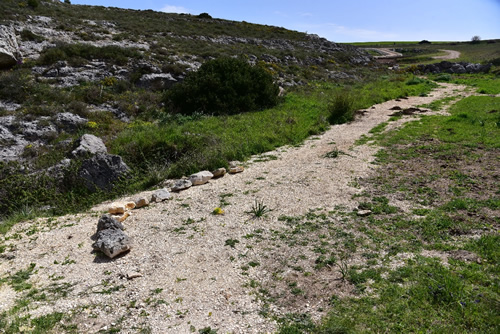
x=102, y=170
x=9, y=50
x=70, y=121
x=157, y=81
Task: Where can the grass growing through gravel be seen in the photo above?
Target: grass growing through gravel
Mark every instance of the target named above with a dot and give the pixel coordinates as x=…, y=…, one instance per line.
x=434, y=266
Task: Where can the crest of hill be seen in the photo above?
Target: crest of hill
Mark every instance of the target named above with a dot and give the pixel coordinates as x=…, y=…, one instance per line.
x=163, y=36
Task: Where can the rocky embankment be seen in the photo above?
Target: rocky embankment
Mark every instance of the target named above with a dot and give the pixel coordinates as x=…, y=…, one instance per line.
x=24, y=41
x=454, y=68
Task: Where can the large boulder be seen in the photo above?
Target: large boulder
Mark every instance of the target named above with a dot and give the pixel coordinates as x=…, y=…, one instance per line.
x=9, y=49
x=110, y=238
x=157, y=81
x=107, y=222
x=88, y=145
x=102, y=170
x=457, y=68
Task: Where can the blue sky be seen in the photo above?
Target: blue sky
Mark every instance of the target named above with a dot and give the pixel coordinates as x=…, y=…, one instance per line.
x=347, y=20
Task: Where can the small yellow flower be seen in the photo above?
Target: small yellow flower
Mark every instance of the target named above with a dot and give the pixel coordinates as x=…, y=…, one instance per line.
x=92, y=124
x=218, y=211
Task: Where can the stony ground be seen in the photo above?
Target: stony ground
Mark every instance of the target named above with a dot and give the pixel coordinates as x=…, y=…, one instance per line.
x=190, y=269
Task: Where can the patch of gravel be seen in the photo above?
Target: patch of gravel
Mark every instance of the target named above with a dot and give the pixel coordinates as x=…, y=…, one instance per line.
x=185, y=274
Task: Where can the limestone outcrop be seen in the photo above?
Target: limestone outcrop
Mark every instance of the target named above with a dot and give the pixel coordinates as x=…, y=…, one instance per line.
x=9, y=49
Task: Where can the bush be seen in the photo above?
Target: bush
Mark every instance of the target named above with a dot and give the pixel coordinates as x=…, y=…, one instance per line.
x=341, y=108
x=415, y=81
x=443, y=77
x=33, y=3
x=76, y=54
x=27, y=35
x=204, y=16
x=223, y=86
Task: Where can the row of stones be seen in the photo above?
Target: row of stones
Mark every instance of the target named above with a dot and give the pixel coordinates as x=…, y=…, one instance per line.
x=110, y=238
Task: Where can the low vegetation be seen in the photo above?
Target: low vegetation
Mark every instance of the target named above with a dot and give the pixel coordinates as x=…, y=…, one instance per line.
x=446, y=243
x=223, y=86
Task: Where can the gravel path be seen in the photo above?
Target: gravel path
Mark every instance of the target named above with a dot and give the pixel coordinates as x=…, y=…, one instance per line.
x=186, y=276
x=451, y=54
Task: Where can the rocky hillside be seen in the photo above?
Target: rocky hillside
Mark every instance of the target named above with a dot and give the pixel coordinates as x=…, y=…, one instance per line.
x=69, y=70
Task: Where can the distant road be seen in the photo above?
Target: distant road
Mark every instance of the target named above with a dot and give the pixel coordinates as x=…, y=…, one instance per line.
x=386, y=53
x=451, y=54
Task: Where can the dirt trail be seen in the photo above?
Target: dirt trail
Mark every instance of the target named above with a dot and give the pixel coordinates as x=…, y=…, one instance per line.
x=451, y=54
x=386, y=53
x=189, y=278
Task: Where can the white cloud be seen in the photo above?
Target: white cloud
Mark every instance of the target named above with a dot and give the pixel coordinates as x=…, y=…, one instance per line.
x=306, y=14
x=174, y=9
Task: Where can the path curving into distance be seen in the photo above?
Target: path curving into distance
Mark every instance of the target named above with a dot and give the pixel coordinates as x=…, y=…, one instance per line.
x=450, y=54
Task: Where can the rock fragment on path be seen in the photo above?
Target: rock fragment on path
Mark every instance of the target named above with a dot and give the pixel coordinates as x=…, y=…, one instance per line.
x=364, y=213
x=117, y=208
x=161, y=195
x=107, y=222
x=181, y=185
x=133, y=275
x=220, y=172
x=200, y=177
x=235, y=167
x=110, y=238
x=122, y=218
x=141, y=202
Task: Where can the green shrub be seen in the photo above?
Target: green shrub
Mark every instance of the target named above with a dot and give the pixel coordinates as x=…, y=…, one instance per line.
x=341, y=108
x=204, y=16
x=415, y=81
x=27, y=35
x=33, y=3
x=443, y=77
x=77, y=54
x=223, y=86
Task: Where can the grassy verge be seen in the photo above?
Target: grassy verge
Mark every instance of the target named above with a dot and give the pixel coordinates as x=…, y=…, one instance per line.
x=476, y=53
x=484, y=83
x=432, y=266
x=175, y=148
x=171, y=146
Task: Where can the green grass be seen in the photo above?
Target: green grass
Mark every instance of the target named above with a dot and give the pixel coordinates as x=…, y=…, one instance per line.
x=472, y=123
x=437, y=105
x=483, y=83
x=209, y=142
x=423, y=294
x=162, y=145
x=476, y=53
